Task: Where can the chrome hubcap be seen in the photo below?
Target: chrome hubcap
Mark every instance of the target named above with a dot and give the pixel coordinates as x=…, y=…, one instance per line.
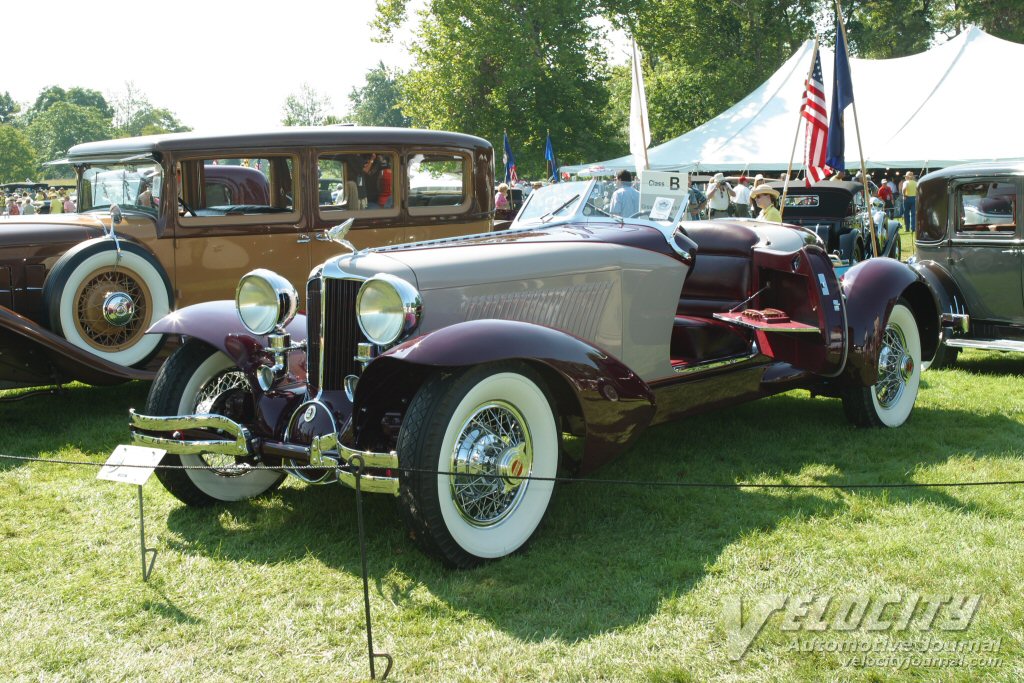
x=895, y=367
x=492, y=452
x=118, y=309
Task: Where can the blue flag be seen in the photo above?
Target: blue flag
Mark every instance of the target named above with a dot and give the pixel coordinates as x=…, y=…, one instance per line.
x=549, y=154
x=510, y=163
x=842, y=97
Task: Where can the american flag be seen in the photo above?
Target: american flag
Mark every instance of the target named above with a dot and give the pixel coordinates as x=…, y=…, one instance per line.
x=816, y=136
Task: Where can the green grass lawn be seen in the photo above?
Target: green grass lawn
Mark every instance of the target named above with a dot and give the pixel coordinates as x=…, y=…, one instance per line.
x=620, y=583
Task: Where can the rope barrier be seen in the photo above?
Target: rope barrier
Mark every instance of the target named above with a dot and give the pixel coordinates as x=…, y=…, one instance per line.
x=563, y=480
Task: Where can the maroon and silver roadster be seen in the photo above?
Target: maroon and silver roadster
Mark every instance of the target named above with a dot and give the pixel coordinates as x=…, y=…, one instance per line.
x=451, y=369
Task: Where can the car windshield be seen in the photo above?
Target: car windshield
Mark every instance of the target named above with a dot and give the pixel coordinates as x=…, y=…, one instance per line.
x=136, y=186
x=559, y=201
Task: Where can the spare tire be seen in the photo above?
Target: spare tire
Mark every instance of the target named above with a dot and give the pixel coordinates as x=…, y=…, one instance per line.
x=104, y=303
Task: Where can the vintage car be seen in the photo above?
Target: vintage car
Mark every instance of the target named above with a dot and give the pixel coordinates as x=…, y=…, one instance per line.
x=78, y=292
x=834, y=210
x=969, y=250
x=447, y=371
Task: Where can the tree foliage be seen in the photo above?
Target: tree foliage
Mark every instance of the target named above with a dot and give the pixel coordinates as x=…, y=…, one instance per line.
x=307, y=108
x=8, y=108
x=133, y=115
x=527, y=66
x=63, y=125
x=17, y=159
x=378, y=102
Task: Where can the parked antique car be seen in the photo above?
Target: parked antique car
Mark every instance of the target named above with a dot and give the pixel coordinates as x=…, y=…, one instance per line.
x=969, y=250
x=834, y=210
x=77, y=292
x=450, y=369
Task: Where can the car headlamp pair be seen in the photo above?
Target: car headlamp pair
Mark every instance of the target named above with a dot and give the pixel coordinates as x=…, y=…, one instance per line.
x=387, y=307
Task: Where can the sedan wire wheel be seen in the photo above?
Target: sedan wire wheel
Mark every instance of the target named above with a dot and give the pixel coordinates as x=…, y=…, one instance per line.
x=112, y=309
x=493, y=451
x=895, y=367
x=225, y=395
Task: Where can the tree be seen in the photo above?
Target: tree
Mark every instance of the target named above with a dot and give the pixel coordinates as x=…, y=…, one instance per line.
x=134, y=115
x=528, y=66
x=378, y=102
x=17, y=159
x=307, y=108
x=82, y=97
x=63, y=125
x=8, y=108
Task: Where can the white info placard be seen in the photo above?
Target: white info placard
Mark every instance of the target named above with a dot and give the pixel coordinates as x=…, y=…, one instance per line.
x=131, y=464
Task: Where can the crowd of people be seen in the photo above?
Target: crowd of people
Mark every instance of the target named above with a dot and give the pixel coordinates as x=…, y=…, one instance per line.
x=25, y=203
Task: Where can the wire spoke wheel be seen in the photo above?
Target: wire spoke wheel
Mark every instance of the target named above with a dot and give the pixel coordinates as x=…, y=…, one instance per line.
x=895, y=366
x=112, y=309
x=493, y=450
x=224, y=394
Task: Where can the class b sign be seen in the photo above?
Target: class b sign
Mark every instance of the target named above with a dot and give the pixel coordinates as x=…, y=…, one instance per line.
x=655, y=185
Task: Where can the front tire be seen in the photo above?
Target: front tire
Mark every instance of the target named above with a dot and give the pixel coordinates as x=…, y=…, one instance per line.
x=890, y=400
x=196, y=379
x=491, y=424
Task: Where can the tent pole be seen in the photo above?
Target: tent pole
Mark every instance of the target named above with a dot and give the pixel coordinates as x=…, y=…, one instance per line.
x=799, y=120
x=860, y=148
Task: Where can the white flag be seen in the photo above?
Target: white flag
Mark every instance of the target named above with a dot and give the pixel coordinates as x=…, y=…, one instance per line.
x=639, y=130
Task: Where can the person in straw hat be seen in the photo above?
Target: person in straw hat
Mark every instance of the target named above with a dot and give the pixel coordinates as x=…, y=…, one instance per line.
x=765, y=196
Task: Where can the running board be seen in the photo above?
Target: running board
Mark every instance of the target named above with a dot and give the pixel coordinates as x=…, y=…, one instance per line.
x=987, y=344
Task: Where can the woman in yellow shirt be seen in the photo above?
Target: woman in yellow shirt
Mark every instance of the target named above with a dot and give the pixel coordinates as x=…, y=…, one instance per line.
x=765, y=197
x=909, y=190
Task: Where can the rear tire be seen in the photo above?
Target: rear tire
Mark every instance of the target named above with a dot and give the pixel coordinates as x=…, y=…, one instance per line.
x=493, y=419
x=889, y=401
x=945, y=357
x=198, y=378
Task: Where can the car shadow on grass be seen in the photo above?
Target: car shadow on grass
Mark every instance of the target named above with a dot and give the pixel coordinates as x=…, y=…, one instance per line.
x=93, y=420
x=610, y=554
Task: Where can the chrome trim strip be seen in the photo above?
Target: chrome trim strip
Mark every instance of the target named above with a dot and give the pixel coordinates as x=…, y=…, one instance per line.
x=987, y=344
x=720, y=363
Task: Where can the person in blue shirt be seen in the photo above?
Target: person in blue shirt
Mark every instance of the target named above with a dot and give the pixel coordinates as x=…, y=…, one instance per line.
x=625, y=200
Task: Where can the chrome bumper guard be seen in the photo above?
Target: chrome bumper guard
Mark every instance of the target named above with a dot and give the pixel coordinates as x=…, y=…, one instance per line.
x=325, y=451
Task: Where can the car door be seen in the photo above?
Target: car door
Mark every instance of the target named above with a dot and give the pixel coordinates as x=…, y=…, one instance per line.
x=239, y=212
x=985, y=245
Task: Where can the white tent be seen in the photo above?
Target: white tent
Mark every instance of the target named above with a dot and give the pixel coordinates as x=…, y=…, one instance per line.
x=954, y=103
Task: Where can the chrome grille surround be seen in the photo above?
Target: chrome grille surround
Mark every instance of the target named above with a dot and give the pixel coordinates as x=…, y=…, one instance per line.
x=333, y=332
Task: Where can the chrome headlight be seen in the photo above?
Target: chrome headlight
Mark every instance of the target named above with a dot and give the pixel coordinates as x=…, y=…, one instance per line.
x=387, y=307
x=265, y=300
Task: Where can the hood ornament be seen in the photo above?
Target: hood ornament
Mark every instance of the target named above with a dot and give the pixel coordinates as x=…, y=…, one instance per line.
x=338, y=232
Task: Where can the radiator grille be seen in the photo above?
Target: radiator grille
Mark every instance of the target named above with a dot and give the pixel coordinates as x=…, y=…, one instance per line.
x=313, y=302
x=336, y=332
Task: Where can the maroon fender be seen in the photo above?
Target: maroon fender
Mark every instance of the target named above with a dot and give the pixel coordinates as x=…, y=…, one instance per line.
x=31, y=355
x=217, y=323
x=871, y=289
x=614, y=403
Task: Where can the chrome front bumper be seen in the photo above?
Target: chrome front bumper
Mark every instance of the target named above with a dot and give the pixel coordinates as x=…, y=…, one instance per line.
x=325, y=451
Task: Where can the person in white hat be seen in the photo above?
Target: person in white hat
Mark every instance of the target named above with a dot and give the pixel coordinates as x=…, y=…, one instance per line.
x=765, y=197
x=719, y=196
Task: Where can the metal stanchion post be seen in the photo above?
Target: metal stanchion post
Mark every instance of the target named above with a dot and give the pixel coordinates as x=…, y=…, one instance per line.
x=358, y=463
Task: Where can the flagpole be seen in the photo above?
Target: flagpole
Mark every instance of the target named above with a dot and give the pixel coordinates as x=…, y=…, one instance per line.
x=860, y=148
x=800, y=119
x=636, y=87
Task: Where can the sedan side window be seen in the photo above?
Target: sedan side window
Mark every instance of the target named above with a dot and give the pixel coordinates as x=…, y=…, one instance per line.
x=438, y=183
x=219, y=189
x=357, y=181
x=986, y=208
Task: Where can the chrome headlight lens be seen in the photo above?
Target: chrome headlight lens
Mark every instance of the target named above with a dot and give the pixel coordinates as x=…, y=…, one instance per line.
x=387, y=307
x=265, y=300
